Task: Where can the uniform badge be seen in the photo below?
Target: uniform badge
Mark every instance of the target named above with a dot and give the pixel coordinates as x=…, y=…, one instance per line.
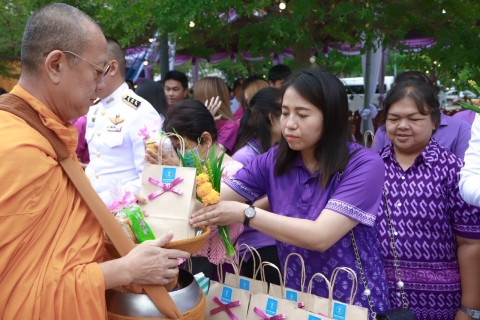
x=132, y=102
x=116, y=120
x=114, y=129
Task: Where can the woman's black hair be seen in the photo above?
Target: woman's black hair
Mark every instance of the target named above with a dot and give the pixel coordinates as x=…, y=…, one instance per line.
x=153, y=92
x=420, y=92
x=255, y=123
x=326, y=92
x=190, y=118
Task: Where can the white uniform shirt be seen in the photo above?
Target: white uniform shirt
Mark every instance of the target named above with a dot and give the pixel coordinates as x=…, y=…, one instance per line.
x=116, y=133
x=470, y=173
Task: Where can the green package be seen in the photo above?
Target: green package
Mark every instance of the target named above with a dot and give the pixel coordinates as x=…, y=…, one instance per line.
x=139, y=226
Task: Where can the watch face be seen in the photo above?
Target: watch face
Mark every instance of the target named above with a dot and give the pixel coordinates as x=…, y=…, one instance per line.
x=250, y=212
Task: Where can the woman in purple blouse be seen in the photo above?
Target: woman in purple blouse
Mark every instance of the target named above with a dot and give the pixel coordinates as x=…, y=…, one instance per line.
x=435, y=232
x=313, y=207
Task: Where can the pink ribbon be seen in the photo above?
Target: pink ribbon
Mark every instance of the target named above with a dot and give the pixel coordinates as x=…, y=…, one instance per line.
x=301, y=305
x=225, y=308
x=165, y=187
x=127, y=200
x=265, y=317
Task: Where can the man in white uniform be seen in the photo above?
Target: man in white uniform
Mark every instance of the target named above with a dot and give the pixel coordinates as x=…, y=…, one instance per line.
x=117, y=128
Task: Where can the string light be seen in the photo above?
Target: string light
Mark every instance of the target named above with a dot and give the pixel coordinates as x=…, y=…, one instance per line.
x=145, y=62
x=282, y=5
x=150, y=40
x=191, y=24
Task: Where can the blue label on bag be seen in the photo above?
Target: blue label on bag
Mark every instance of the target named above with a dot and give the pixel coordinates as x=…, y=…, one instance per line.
x=311, y=317
x=226, y=295
x=271, y=308
x=244, y=284
x=339, y=311
x=291, y=295
x=168, y=175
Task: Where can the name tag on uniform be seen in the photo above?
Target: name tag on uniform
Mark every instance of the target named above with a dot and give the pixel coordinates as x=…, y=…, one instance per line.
x=114, y=128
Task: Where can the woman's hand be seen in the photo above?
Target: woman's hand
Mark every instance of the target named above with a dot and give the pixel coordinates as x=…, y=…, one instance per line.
x=224, y=213
x=213, y=106
x=152, y=157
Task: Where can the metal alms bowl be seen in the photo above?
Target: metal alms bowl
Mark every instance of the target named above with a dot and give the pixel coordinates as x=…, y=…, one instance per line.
x=186, y=297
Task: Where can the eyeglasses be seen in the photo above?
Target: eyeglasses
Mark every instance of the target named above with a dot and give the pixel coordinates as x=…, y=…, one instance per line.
x=104, y=72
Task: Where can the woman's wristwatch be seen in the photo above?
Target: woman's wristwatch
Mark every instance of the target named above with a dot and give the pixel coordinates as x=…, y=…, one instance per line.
x=249, y=214
x=475, y=314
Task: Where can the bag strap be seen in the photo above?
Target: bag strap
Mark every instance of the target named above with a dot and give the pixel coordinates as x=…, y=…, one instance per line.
x=20, y=108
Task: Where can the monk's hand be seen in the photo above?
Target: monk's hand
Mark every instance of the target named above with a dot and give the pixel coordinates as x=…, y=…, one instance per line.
x=149, y=263
x=151, y=156
x=224, y=213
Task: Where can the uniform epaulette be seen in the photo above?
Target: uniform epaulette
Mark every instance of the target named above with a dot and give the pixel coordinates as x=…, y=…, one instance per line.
x=132, y=102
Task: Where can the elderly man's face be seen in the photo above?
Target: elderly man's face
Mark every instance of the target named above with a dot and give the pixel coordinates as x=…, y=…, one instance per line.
x=80, y=83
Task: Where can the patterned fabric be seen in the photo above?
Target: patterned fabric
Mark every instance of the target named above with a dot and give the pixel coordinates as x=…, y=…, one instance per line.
x=213, y=248
x=297, y=194
x=427, y=213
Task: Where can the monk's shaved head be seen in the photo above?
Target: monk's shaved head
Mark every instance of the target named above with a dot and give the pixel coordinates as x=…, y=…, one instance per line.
x=56, y=26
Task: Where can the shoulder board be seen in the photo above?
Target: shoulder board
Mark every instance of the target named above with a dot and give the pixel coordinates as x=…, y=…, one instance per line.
x=131, y=101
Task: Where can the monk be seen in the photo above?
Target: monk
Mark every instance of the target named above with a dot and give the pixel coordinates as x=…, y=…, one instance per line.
x=51, y=245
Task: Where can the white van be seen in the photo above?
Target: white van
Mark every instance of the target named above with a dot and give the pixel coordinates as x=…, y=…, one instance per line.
x=356, y=91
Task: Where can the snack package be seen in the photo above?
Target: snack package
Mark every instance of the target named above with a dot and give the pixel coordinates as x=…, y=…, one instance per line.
x=129, y=215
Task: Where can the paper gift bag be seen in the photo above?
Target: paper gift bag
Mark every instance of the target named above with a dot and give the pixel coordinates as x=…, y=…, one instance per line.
x=226, y=302
x=266, y=307
x=290, y=294
x=244, y=283
x=315, y=304
x=171, y=194
x=343, y=311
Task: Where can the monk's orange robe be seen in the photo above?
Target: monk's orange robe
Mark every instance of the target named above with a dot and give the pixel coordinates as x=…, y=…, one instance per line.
x=50, y=242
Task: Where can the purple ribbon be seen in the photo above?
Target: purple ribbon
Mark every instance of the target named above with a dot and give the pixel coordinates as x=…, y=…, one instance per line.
x=301, y=305
x=225, y=308
x=127, y=200
x=265, y=317
x=165, y=187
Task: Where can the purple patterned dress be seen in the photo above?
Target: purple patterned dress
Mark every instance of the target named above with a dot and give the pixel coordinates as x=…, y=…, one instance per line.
x=427, y=213
x=297, y=194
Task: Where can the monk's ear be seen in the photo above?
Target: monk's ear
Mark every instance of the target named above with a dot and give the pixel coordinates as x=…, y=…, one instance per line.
x=55, y=64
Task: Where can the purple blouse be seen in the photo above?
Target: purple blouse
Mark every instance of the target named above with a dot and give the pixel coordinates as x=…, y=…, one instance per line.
x=452, y=134
x=297, y=194
x=427, y=213
x=82, y=147
x=465, y=115
x=227, y=134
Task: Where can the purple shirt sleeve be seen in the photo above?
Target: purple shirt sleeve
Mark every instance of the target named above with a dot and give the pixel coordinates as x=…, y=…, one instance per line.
x=245, y=155
x=358, y=194
x=82, y=147
x=463, y=137
x=227, y=134
x=252, y=181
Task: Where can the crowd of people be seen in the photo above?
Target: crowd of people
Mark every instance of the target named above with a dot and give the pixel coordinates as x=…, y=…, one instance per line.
x=404, y=214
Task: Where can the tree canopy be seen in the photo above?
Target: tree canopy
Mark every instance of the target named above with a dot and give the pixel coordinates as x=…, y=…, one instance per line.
x=262, y=27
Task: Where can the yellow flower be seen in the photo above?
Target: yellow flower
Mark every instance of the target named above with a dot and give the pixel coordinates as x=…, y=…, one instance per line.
x=212, y=197
x=204, y=189
x=202, y=178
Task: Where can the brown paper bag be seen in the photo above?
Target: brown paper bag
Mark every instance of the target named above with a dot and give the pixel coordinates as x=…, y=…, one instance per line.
x=297, y=297
x=244, y=283
x=171, y=194
x=343, y=311
x=226, y=302
x=319, y=305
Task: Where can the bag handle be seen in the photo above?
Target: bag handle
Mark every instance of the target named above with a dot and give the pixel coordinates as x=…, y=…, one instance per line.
x=302, y=276
x=220, y=269
x=253, y=251
x=166, y=136
x=353, y=291
x=264, y=282
x=158, y=294
x=366, y=135
x=330, y=291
